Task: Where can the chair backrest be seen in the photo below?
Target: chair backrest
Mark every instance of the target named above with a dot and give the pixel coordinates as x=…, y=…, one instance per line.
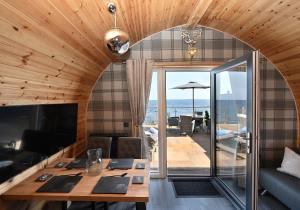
x=129, y=147
x=199, y=113
x=100, y=142
x=173, y=121
x=186, y=119
x=186, y=124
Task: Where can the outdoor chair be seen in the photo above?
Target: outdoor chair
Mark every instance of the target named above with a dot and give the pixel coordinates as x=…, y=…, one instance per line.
x=200, y=114
x=186, y=125
x=173, y=121
x=198, y=124
x=152, y=140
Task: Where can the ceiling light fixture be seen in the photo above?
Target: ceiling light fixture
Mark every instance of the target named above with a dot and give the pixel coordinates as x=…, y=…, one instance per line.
x=116, y=40
x=190, y=37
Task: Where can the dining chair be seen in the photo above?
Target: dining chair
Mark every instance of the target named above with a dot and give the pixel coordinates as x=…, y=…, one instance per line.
x=129, y=147
x=94, y=142
x=84, y=205
x=102, y=142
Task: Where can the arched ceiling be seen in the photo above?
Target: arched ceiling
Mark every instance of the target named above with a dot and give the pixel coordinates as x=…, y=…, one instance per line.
x=52, y=50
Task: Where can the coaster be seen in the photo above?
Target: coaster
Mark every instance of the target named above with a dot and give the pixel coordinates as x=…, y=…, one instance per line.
x=43, y=177
x=60, y=165
x=137, y=180
x=140, y=166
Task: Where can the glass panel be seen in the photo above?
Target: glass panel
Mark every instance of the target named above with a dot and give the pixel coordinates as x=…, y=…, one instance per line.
x=231, y=128
x=188, y=136
x=151, y=125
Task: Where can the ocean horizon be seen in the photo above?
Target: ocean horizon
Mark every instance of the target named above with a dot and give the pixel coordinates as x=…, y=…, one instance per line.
x=177, y=107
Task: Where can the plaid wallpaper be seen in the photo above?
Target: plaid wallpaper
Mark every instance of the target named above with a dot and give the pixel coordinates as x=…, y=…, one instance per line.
x=109, y=106
x=169, y=46
x=278, y=116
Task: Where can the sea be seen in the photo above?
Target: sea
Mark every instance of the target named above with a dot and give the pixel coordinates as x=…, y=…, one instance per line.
x=227, y=109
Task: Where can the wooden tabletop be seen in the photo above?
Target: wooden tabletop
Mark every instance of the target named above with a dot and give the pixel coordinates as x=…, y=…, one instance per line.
x=26, y=190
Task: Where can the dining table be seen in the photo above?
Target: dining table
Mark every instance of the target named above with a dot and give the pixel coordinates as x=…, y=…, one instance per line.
x=83, y=190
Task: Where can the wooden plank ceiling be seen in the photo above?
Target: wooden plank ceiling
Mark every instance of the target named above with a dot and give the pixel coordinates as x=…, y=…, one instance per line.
x=51, y=51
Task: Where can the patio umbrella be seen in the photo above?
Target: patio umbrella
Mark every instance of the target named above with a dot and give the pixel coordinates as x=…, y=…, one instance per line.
x=193, y=86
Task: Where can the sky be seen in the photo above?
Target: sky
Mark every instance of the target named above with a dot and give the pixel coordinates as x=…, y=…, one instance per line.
x=233, y=83
x=179, y=78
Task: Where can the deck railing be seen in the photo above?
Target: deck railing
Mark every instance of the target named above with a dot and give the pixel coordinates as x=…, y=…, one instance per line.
x=172, y=111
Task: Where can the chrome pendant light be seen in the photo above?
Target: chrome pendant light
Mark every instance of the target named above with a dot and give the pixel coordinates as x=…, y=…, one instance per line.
x=116, y=40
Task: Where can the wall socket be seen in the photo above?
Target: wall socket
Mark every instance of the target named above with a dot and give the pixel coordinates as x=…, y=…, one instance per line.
x=126, y=124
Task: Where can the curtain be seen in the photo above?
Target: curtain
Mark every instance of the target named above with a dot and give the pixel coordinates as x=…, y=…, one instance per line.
x=139, y=75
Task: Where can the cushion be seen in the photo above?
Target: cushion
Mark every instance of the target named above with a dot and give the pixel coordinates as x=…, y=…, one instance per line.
x=153, y=130
x=290, y=163
x=221, y=132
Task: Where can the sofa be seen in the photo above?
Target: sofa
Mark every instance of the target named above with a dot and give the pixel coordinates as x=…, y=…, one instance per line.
x=284, y=187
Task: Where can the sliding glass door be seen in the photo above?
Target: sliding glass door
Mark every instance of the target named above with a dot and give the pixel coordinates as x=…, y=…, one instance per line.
x=188, y=114
x=154, y=125
x=234, y=128
x=232, y=122
x=178, y=147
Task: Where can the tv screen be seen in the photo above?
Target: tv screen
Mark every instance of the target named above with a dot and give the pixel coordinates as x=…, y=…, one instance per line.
x=30, y=134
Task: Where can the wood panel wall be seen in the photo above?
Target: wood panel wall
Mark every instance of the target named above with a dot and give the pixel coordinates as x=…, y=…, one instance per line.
x=51, y=51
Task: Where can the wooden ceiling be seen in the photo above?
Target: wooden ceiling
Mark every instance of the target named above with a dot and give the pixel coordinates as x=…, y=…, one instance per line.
x=52, y=50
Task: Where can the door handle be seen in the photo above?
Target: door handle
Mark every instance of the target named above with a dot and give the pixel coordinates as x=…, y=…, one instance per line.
x=248, y=142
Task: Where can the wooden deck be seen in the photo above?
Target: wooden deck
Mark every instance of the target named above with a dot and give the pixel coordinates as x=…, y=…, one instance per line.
x=190, y=155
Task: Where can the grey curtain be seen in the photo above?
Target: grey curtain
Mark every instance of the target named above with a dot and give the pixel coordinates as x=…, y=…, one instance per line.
x=139, y=75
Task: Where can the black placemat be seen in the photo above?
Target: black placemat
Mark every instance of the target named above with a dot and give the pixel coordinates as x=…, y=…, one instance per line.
x=120, y=163
x=111, y=185
x=60, y=184
x=77, y=163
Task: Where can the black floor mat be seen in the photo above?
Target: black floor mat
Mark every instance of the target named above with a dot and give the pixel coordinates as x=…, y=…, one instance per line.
x=194, y=188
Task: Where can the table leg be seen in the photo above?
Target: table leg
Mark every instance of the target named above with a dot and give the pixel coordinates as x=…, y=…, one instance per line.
x=140, y=206
x=64, y=205
x=93, y=205
x=106, y=206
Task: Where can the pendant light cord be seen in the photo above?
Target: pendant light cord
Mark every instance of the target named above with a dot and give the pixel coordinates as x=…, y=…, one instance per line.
x=115, y=16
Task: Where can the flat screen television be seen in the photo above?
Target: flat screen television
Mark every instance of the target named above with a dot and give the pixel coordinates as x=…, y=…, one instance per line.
x=31, y=133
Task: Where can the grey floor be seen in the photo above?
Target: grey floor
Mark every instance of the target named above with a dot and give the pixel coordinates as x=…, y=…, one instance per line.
x=162, y=197
x=268, y=202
